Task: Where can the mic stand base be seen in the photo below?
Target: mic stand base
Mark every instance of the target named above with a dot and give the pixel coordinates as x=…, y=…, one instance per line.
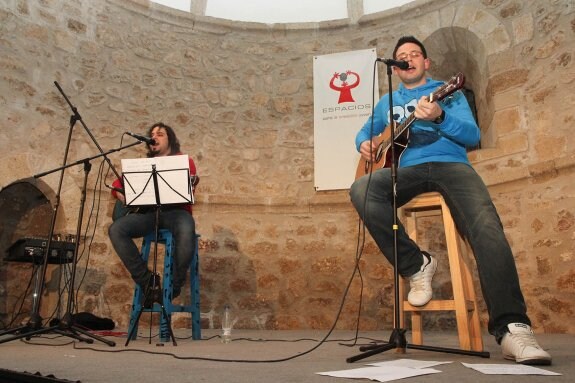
x=67, y=325
x=397, y=340
x=64, y=328
x=164, y=314
x=34, y=324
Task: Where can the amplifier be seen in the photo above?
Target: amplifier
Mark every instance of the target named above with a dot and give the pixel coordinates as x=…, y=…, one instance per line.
x=33, y=250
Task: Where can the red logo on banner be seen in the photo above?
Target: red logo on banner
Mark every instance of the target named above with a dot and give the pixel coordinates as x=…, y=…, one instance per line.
x=344, y=88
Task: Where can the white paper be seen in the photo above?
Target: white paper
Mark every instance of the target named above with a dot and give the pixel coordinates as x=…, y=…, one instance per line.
x=173, y=176
x=380, y=374
x=408, y=363
x=508, y=369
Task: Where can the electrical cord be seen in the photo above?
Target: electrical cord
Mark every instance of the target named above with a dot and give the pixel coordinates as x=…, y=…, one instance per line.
x=94, y=212
x=361, y=237
x=22, y=298
x=64, y=268
x=359, y=252
x=320, y=342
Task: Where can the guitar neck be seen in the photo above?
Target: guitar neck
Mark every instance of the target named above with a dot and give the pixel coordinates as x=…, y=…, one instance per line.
x=405, y=124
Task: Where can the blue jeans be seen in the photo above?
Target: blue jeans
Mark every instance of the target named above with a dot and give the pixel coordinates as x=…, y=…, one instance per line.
x=475, y=217
x=177, y=220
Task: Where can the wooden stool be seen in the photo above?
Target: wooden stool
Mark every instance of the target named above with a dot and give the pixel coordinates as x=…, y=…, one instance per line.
x=166, y=238
x=464, y=302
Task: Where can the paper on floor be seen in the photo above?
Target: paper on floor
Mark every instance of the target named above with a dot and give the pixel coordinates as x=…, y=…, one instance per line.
x=380, y=374
x=509, y=369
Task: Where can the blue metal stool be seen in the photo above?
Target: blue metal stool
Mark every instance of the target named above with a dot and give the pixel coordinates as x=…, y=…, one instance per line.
x=165, y=237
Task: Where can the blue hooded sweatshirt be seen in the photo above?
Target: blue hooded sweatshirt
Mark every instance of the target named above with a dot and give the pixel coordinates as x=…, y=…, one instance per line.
x=448, y=139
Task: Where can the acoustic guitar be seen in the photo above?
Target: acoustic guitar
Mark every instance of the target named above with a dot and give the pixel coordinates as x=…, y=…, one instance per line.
x=383, y=155
x=121, y=210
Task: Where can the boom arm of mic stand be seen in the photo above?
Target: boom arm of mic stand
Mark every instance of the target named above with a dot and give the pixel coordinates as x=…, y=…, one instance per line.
x=76, y=116
x=104, y=154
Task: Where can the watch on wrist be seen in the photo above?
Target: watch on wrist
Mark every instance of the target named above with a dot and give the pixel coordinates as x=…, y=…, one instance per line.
x=441, y=117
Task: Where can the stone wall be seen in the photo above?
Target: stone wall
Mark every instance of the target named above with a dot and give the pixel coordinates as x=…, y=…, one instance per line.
x=240, y=97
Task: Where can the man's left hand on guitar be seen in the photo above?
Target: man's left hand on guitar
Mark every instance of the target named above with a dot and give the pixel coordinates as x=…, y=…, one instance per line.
x=427, y=110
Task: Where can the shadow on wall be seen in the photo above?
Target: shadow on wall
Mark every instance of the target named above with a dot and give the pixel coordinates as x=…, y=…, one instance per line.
x=229, y=276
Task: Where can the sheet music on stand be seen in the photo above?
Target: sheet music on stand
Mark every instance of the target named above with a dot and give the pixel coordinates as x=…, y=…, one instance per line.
x=173, y=175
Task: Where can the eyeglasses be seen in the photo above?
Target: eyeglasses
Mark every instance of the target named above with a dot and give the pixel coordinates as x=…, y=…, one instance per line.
x=412, y=54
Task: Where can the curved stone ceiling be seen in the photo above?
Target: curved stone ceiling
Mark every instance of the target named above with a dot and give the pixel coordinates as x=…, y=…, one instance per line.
x=281, y=11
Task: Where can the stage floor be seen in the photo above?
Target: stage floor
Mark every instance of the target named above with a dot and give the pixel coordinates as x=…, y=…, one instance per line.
x=260, y=356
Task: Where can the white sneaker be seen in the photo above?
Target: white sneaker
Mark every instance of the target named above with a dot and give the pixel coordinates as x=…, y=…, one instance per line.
x=519, y=344
x=420, y=283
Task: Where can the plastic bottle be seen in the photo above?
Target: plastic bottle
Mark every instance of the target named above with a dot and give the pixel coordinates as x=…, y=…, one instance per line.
x=226, y=325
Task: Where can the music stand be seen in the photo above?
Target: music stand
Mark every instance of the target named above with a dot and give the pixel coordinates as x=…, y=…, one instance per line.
x=175, y=188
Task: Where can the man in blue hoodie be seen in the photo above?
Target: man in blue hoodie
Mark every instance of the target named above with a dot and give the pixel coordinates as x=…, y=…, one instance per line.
x=435, y=160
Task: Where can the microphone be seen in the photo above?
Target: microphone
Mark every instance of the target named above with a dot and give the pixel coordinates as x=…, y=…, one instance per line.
x=147, y=140
x=117, y=190
x=397, y=63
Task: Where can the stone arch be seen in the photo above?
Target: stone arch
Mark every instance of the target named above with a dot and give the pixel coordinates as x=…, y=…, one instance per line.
x=454, y=49
x=27, y=206
x=27, y=203
x=464, y=42
x=23, y=197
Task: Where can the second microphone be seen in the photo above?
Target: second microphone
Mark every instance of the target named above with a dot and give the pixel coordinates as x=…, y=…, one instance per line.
x=147, y=140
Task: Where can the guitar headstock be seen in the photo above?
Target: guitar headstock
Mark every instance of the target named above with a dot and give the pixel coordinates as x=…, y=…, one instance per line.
x=454, y=84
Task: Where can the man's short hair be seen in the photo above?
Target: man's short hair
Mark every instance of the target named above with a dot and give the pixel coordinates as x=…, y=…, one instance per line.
x=409, y=39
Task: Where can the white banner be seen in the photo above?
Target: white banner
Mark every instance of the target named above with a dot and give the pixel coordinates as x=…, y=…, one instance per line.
x=344, y=91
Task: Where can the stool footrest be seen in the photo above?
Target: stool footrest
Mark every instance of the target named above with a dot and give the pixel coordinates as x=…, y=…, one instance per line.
x=438, y=305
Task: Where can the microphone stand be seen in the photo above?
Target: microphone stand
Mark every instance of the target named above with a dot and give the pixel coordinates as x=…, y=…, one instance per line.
x=34, y=325
x=397, y=338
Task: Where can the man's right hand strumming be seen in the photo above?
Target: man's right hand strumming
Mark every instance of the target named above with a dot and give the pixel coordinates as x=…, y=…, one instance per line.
x=367, y=151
